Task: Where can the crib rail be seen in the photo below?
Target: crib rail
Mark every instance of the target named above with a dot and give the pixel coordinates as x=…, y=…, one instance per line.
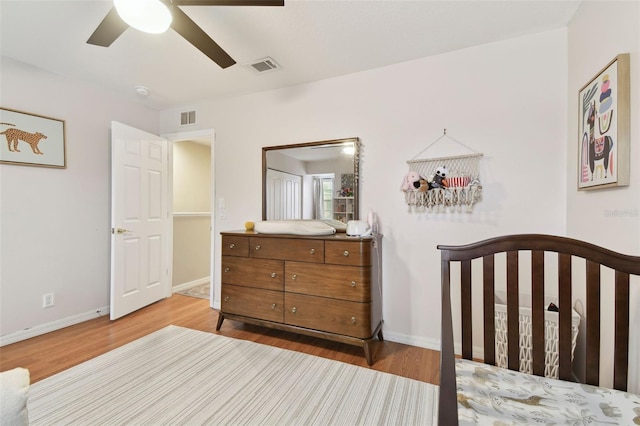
x=537, y=244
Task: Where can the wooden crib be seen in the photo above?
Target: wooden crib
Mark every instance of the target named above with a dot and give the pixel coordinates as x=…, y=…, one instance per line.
x=461, y=397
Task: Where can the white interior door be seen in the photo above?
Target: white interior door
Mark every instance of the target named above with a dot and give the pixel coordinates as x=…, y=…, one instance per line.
x=140, y=233
x=284, y=192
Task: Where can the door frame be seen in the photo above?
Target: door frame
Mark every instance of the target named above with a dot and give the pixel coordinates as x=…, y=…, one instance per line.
x=180, y=137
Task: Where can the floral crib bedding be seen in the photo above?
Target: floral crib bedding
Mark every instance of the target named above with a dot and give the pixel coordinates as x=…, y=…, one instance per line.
x=490, y=395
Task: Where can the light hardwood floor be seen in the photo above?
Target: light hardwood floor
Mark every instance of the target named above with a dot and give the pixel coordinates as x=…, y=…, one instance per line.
x=56, y=351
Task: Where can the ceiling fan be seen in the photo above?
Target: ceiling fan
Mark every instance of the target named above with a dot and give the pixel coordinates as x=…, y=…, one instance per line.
x=113, y=25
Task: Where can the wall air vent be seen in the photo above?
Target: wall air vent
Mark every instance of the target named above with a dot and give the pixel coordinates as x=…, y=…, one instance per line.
x=264, y=65
x=187, y=117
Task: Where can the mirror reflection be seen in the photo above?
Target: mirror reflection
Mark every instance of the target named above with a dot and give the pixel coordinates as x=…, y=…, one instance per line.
x=314, y=180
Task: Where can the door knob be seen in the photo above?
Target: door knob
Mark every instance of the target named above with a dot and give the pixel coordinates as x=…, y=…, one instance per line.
x=119, y=230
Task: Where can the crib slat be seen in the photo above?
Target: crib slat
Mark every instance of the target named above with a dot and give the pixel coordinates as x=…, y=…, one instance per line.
x=621, y=339
x=537, y=307
x=465, y=301
x=488, y=285
x=513, y=312
x=592, y=362
x=447, y=404
x=564, y=316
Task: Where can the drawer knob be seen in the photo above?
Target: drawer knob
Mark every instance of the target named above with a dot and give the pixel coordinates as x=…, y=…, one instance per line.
x=232, y=246
x=273, y=275
x=353, y=283
x=312, y=251
x=293, y=310
x=346, y=253
x=353, y=320
x=227, y=298
x=227, y=269
x=273, y=306
x=294, y=276
x=258, y=247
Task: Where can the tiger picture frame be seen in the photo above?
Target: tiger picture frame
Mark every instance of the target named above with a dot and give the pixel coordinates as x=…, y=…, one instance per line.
x=31, y=140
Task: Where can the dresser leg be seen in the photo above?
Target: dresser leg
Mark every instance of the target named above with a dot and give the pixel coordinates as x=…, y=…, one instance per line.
x=220, y=319
x=380, y=336
x=367, y=351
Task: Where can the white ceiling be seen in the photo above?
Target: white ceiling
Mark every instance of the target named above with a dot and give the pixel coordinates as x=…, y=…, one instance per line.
x=311, y=39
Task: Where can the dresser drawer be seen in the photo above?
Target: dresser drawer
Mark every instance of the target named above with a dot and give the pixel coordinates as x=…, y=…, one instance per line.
x=356, y=253
x=235, y=246
x=303, y=250
x=252, y=302
x=333, y=281
x=330, y=315
x=259, y=273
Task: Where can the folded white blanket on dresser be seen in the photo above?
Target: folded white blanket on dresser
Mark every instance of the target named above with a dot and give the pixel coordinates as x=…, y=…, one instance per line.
x=295, y=227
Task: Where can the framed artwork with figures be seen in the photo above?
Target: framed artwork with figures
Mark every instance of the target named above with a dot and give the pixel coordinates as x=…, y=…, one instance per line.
x=604, y=126
x=31, y=140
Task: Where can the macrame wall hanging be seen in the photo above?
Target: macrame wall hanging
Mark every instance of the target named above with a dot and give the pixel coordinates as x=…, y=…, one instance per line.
x=444, y=182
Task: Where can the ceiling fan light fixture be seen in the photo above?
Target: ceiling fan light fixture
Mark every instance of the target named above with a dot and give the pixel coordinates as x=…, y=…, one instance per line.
x=149, y=16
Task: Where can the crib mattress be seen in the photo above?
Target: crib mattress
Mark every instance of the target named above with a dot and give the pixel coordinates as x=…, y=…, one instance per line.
x=490, y=395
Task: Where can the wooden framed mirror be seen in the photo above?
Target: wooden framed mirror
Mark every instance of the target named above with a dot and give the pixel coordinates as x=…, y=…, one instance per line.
x=312, y=180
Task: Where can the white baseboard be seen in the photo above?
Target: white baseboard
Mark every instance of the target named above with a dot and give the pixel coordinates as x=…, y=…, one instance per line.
x=478, y=352
x=187, y=285
x=37, y=330
x=411, y=340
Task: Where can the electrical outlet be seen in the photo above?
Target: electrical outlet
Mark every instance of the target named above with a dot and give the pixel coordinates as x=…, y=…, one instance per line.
x=47, y=300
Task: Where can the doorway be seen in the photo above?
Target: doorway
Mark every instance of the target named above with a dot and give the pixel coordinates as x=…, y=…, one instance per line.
x=192, y=201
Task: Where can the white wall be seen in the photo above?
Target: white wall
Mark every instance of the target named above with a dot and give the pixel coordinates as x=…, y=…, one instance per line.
x=610, y=217
x=55, y=223
x=504, y=99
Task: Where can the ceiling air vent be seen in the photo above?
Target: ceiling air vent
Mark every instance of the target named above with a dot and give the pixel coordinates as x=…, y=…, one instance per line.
x=264, y=65
x=187, y=117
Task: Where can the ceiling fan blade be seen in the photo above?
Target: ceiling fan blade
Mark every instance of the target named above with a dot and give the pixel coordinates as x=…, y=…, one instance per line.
x=111, y=27
x=229, y=2
x=188, y=29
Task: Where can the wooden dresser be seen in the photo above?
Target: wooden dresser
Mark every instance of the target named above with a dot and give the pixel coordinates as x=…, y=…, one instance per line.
x=328, y=287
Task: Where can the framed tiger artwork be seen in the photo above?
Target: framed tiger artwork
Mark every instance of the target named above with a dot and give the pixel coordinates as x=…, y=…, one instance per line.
x=31, y=140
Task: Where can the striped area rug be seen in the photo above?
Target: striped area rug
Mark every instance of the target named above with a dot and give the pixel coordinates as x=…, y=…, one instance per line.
x=179, y=376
